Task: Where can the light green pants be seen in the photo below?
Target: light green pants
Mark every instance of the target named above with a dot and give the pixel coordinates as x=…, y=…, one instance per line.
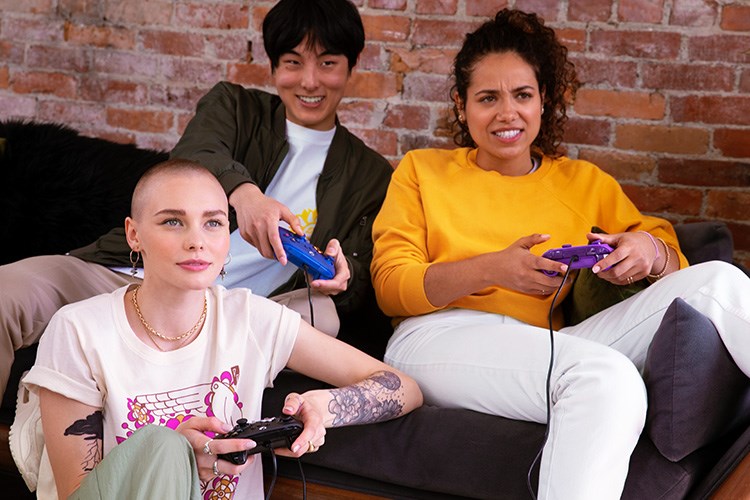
x=155, y=462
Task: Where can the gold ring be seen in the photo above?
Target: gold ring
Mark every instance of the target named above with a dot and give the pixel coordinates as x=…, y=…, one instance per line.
x=206, y=448
x=216, y=468
x=311, y=448
x=630, y=280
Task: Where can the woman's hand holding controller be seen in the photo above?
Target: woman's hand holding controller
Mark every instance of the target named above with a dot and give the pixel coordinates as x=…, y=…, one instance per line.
x=633, y=257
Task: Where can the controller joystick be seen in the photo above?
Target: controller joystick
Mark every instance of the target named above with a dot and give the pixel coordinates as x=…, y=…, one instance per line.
x=578, y=257
x=268, y=433
x=304, y=255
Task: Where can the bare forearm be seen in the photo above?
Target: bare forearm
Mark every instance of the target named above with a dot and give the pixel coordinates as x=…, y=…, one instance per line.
x=382, y=396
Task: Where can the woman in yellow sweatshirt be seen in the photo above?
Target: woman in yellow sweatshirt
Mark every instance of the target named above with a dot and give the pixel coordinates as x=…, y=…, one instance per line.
x=457, y=261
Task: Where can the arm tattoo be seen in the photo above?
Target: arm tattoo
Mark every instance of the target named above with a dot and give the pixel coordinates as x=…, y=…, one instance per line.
x=376, y=398
x=92, y=430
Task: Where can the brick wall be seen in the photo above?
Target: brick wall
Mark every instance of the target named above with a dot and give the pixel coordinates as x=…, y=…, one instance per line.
x=665, y=106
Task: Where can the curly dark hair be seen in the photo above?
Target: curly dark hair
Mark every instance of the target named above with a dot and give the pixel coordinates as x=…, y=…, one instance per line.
x=526, y=35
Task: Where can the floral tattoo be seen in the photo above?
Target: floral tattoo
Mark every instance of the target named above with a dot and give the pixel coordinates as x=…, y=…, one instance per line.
x=92, y=430
x=372, y=400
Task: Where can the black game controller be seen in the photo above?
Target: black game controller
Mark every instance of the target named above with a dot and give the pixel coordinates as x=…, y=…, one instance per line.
x=580, y=257
x=304, y=255
x=268, y=433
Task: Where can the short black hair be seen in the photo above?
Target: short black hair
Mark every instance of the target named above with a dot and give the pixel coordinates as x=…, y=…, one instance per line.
x=335, y=25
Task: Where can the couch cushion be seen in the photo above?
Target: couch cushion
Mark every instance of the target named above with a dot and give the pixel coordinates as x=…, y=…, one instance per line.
x=696, y=393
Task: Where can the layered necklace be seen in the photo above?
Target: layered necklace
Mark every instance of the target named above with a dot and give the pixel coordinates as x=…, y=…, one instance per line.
x=152, y=331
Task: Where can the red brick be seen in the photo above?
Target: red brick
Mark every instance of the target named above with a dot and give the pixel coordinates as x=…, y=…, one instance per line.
x=228, y=46
x=140, y=120
x=79, y=10
x=157, y=142
x=543, y=8
x=658, y=138
x=735, y=18
x=431, y=32
x=28, y=6
x=640, y=11
x=641, y=44
x=14, y=106
x=374, y=58
x=741, y=236
x=205, y=15
x=408, y=142
x=622, y=166
x=153, y=12
x=387, y=4
x=4, y=77
x=191, y=71
x=118, y=137
x=182, y=120
x=11, y=53
x=587, y=131
x=733, y=143
x=693, y=13
x=724, y=48
x=104, y=90
x=573, y=39
x=71, y=113
x=745, y=82
x=589, y=10
x=704, y=172
x=711, y=109
x=383, y=141
x=360, y=114
x=386, y=28
x=252, y=75
x=100, y=36
x=174, y=43
x=618, y=74
x=33, y=30
x=407, y=116
x=426, y=87
x=37, y=82
x=424, y=60
x=484, y=8
x=59, y=58
x=367, y=84
x=437, y=7
x=173, y=97
x=644, y=105
x=660, y=200
x=693, y=77
x=728, y=204
x=145, y=67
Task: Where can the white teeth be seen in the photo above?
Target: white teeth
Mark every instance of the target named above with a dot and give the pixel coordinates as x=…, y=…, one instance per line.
x=507, y=134
x=310, y=100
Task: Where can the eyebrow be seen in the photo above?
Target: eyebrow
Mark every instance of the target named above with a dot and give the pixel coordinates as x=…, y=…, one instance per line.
x=494, y=91
x=325, y=53
x=174, y=211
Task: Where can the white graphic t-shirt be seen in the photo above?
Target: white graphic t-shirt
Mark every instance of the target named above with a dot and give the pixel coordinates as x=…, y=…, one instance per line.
x=293, y=185
x=90, y=354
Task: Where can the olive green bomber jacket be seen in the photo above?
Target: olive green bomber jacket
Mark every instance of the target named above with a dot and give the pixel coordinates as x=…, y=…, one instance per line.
x=240, y=135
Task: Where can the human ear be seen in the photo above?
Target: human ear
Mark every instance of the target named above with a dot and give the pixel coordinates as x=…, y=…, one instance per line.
x=131, y=234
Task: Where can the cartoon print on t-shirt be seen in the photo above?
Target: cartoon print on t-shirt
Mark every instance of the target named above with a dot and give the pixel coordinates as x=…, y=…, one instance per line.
x=218, y=398
x=308, y=218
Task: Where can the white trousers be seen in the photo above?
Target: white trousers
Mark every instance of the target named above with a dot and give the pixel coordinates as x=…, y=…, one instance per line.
x=498, y=365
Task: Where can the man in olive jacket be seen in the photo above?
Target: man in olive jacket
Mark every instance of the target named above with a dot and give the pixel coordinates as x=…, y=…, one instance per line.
x=281, y=159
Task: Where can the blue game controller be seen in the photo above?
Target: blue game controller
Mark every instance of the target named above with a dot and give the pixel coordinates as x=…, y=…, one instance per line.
x=584, y=256
x=304, y=255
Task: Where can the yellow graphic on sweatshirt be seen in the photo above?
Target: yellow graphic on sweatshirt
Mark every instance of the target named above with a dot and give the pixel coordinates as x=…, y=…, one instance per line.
x=308, y=218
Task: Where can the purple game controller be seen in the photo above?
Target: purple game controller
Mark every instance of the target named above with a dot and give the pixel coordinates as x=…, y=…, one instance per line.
x=304, y=255
x=584, y=256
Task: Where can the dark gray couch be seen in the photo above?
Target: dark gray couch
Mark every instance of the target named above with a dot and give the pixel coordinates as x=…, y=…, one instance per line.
x=433, y=452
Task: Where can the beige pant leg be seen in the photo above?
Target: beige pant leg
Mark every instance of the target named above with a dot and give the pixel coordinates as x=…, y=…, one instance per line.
x=33, y=289
x=325, y=317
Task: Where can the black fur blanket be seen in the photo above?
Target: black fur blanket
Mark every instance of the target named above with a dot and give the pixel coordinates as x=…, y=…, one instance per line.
x=60, y=190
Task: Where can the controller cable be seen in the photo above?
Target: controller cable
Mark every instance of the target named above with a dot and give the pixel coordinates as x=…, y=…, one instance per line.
x=309, y=298
x=549, y=376
x=275, y=474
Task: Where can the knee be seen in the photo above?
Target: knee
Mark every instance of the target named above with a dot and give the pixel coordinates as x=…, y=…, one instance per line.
x=160, y=441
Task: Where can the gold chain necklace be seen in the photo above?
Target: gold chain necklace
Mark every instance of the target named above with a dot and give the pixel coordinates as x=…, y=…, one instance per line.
x=154, y=332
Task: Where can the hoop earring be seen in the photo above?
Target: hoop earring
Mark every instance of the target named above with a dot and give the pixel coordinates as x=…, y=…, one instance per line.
x=223, y=271
x=134, y=262
x=542, y=109
x=461, y=118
